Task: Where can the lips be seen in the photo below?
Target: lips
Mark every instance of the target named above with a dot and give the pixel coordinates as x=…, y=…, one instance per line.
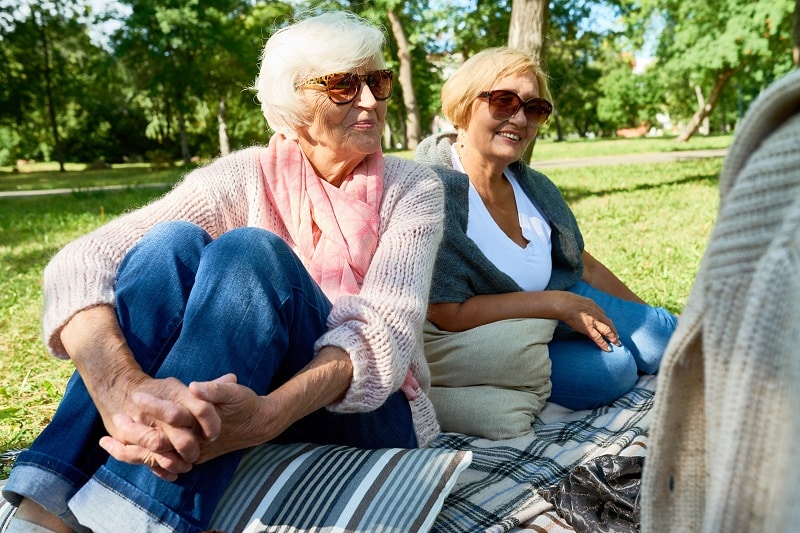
x=365, y=124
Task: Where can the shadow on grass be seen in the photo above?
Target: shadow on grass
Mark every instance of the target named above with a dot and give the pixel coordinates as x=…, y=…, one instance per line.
x=574, y=194
x=28, y=225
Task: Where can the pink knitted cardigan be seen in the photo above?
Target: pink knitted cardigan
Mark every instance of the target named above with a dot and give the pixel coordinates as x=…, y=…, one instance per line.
x=380, y=328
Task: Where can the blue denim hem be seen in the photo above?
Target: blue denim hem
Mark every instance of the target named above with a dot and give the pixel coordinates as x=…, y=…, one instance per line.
x=109, y=504
x=46, y=487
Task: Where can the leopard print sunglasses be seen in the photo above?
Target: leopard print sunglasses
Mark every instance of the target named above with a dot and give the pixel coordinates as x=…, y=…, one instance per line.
x=342, y=87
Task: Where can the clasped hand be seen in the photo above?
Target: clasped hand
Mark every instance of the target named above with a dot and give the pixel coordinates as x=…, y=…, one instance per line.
x=171, y=432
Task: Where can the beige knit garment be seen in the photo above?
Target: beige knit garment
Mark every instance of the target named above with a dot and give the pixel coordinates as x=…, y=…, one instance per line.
x=725, y=442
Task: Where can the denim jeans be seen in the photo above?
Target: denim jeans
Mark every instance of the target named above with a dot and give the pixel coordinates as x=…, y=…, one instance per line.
x=585, y=377
x=194, y=308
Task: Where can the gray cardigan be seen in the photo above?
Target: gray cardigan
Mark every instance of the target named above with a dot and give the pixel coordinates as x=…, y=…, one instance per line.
x=462, y=270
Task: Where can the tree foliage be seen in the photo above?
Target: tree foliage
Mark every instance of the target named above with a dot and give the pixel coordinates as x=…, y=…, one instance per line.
x=705, y=45
x=175, y=76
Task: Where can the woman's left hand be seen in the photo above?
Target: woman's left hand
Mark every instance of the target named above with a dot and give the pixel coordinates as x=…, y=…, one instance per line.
x=247, y=418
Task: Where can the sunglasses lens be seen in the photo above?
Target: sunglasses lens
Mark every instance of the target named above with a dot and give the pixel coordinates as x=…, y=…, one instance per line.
x=537, y=110
x=380, y=83
x=503, y=104
x=342, y=88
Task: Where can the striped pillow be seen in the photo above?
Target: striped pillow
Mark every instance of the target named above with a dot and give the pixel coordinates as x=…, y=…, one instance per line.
x=297, y=487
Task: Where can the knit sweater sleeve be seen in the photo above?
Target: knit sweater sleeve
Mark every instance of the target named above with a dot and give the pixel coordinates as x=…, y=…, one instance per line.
x=381, y=326
x=82, y=274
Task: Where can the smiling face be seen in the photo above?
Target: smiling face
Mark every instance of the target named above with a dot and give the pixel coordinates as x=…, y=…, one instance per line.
x=501, y=142
x=340, y=136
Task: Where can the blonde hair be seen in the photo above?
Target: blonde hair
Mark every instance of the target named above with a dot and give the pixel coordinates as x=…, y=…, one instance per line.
x=332, y=42
x=478, y=73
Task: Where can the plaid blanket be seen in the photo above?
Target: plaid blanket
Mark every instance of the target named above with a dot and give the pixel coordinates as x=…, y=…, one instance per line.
x=498, y=492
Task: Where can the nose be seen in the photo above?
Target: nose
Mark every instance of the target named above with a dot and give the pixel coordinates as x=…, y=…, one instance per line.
x=364, y=97
x=519, y=117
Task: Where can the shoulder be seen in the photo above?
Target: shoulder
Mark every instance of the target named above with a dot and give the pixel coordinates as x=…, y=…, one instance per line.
x=435, y=150
x=407, y=174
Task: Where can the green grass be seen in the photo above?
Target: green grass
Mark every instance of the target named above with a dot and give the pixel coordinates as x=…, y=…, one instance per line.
x=31, y=231
x=549, y=149
x=47, y=176
x=648, y=223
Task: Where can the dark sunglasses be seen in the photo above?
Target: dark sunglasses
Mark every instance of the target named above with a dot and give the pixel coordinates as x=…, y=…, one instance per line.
x=504, y=104
x=342, y=87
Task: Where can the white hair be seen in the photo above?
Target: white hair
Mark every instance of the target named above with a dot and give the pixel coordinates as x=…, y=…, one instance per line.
x=332, y=42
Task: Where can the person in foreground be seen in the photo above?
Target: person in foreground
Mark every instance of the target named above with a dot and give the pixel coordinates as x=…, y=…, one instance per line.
x=277, y=294
x=512, y=247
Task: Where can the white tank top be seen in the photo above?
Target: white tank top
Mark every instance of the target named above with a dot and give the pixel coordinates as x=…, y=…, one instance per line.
x=531, y=266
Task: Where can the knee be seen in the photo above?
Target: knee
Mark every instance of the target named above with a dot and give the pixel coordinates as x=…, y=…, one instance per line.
x=651, y=340
x=623, y=372
x=175, y=235
x=248, y=247
x=167, y=243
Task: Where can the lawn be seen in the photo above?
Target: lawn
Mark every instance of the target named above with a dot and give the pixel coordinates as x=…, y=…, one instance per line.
x=648, y=223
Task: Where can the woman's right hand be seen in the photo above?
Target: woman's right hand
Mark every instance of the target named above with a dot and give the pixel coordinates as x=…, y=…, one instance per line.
x=585, y=316
x=118, y=385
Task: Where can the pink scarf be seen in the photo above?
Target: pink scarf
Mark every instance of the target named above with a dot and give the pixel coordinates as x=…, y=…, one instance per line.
x=335, y=229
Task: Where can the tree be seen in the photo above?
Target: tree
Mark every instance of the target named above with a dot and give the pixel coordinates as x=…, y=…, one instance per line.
x=232, y=64
x=796, y=34
x=526, y=32
x=406, y=79
x=51, y=80
x=177, y=53
x=708, y=43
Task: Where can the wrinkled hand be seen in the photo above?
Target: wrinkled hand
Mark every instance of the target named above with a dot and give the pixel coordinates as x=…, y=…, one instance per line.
x=585, y=316
x=162, y=425
x=247, y=418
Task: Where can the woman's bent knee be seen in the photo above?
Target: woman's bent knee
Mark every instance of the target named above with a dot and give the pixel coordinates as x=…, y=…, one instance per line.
x=258, y=248
x=177, y=231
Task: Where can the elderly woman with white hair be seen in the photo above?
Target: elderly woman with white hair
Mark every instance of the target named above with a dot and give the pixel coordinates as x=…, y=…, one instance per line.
x=277, y=294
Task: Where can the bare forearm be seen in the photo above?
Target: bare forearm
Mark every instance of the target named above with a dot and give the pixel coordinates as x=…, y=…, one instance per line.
x=116, y=382
x=97, y=347
x=323, y=381
x=600, y=277
x=485, y=309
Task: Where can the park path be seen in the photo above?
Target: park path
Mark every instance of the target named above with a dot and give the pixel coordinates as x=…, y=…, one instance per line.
x=626, y=159
x=631, y=159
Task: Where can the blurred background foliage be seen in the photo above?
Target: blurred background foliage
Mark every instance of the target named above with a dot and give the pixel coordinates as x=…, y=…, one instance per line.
x=168, y=80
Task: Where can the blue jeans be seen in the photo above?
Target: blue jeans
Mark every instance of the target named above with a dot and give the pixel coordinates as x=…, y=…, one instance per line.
x=194, y=308
x=585, y=377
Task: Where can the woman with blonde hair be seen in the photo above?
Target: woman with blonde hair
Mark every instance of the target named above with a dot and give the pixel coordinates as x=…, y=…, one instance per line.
x=512, y=248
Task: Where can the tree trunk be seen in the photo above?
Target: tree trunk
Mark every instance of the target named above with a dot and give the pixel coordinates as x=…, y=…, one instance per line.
x=796, y=34
x=526, y=32
x=528, y=26
x=222, y=121
x=48, y=82
x=705, y=109
x=184, y=141
x=701, y=103
x=413, y=120
x=559, y=130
